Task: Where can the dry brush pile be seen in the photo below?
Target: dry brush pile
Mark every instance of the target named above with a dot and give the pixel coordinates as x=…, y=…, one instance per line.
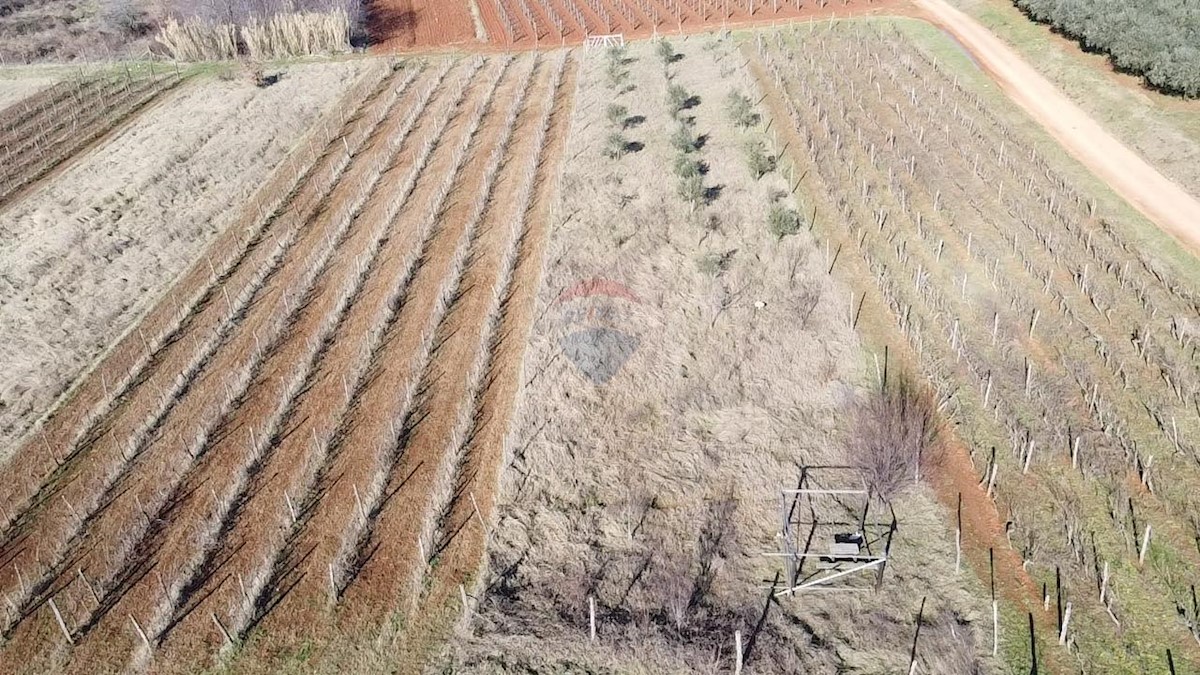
x=255, y=451
x=1065, y=356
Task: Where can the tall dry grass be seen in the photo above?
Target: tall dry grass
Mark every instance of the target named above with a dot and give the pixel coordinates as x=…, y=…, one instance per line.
x=280, y=36
x=300, y=33
x=196, y=40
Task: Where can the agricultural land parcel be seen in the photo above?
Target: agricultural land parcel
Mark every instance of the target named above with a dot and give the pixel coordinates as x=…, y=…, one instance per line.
x=248, y=467
x=14, y=89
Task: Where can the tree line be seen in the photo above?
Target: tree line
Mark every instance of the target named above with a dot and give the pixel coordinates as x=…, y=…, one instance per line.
x=1156, y=39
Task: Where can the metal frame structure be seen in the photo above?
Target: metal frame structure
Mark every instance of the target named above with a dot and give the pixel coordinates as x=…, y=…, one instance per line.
x=800, y=516
x=603, y=41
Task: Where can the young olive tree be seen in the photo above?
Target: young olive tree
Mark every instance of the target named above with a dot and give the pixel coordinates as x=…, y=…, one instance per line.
x=758, y=159
x=740, y=109
x=783, y=221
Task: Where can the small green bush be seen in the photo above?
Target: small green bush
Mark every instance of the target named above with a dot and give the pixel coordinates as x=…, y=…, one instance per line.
x=683, y=140
x=685, y=167
x=691, y=190
x=783, y=221
x=617, y=74
x=741, y=110
x=709, y=264
x=616, y=114
x=665, y=51
x=614, y=146
x=758, y=159
x=677, y=98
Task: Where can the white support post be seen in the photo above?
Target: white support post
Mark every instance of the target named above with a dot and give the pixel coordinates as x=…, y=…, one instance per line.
x=141, y=633
x=1062, y=635
x=995, y=627
x=62, y=625
x=592, y=617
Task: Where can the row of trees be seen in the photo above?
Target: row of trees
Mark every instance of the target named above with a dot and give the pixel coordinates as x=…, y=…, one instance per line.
x=1156, y=39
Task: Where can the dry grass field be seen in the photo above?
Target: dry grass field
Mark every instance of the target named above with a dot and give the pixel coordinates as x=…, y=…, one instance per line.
x=15, y=88
x=87, y=252
x=506, y=363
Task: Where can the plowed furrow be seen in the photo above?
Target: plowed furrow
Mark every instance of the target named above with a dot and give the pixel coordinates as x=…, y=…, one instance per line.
x=393, y=553
x=222, y=360
x=326, y=544
x=153, y=480
x=250, y=427
x=254, y=533
x=462, y=530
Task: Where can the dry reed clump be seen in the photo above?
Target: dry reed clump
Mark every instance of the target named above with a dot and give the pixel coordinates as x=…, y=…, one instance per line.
x=281, y=36
x=285, y=35
x=895, y=438
x=196, y=40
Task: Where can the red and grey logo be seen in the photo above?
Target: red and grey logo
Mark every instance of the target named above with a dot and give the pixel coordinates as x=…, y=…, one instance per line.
x=594, y=311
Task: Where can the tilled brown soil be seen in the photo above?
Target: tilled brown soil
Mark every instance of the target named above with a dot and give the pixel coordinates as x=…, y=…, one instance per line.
x=470, y=516
x=664, y=17
x=267, y=454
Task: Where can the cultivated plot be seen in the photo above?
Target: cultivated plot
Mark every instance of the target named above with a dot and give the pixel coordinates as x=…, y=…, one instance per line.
x=690, y=355
x=15, y=88
x=1065, y=356
x=529, y=23
x=255, y=453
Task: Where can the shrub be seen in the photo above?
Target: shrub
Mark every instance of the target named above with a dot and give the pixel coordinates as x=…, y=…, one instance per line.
x=783, y=221
x=615, y=145
x=616, y=114
x=740, y=109
x=896, y=432
x=616, y=55
x=665, y=51
x=685, y=167
x=617, y=74
x=709, y=264
x=677, y=98
x=714, y=264
x=691, y=190
x=683, y=140
x=760, y=162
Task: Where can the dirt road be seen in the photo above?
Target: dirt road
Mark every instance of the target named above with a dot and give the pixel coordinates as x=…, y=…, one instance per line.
x=1158, y=198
